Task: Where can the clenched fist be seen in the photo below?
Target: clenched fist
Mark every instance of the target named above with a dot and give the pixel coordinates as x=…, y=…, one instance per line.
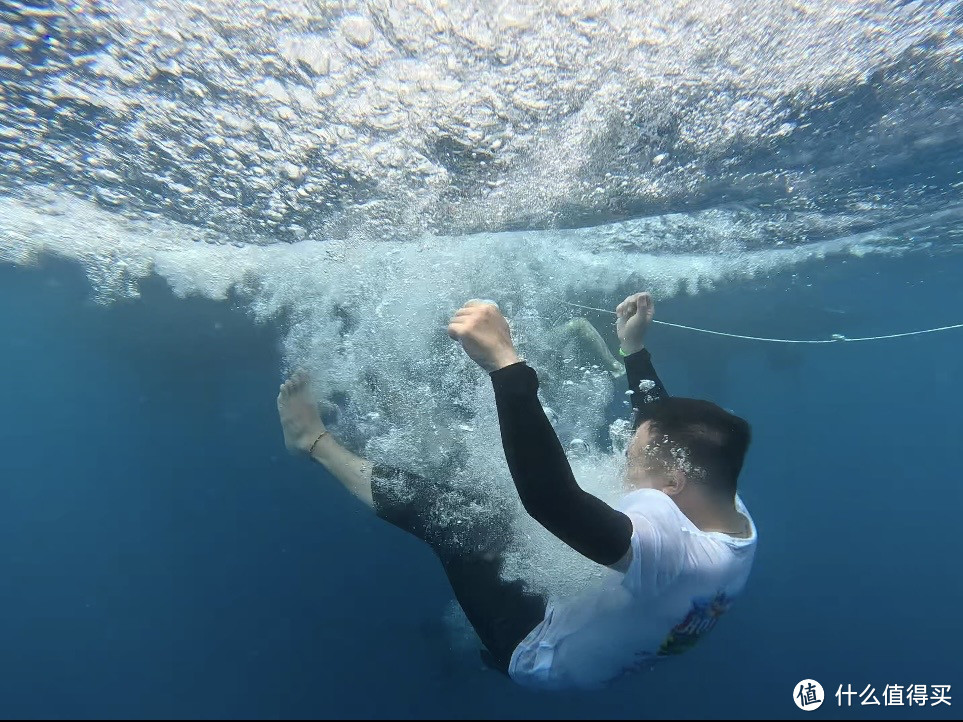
x=483, y=332
x=634, y=315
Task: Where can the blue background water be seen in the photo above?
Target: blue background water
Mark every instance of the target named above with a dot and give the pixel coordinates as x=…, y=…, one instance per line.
x=162, y=555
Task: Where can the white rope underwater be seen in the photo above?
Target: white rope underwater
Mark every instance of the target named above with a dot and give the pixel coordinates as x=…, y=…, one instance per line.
x=836, y=337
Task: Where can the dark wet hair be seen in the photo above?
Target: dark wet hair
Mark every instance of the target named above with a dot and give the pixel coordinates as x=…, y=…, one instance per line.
x=703, y=440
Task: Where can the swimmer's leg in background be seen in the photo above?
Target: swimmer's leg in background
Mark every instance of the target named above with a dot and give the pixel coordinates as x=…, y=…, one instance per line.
x=501, y=612
x=588, y=343
x=304, y=433
x=582, y=339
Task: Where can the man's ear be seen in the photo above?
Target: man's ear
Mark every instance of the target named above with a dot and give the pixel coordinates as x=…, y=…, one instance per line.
x=675, y=482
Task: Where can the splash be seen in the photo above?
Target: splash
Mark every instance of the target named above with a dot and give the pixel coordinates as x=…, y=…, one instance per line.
x=387, y=120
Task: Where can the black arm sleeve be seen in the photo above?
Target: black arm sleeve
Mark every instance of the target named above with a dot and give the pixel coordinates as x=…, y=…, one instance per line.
x=644, y=384
x=543, y=477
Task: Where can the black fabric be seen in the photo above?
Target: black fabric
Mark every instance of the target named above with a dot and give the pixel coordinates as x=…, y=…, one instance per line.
x=472, y=554
x=543, y=477
x=639, y=371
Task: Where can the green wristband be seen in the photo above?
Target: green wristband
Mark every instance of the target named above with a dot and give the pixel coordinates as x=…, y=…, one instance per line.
x=621, y=352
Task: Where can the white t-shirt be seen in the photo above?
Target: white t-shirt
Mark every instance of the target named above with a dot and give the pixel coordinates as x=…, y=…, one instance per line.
x=679, y=582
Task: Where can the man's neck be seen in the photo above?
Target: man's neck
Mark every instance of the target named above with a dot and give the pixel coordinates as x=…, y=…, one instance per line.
x=714, y=514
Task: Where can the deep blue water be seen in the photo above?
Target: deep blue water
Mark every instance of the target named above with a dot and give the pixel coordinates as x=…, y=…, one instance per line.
x=163, y=556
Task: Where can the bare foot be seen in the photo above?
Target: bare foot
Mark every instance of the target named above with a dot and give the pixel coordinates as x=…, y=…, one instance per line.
x=299, y=414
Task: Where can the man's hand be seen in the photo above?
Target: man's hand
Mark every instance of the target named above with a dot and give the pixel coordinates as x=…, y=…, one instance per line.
x=484, y=334
x=634, y=316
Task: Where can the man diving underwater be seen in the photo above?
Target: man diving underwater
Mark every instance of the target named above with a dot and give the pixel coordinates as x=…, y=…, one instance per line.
x=677, y=548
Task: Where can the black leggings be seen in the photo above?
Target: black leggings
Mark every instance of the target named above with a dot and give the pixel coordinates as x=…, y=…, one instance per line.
x=472, y=554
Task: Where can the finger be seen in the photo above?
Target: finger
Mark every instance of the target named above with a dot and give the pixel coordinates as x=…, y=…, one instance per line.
x=481, y=302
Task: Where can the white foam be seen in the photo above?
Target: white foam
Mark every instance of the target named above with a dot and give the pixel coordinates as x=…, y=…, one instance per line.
x=368, y=320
